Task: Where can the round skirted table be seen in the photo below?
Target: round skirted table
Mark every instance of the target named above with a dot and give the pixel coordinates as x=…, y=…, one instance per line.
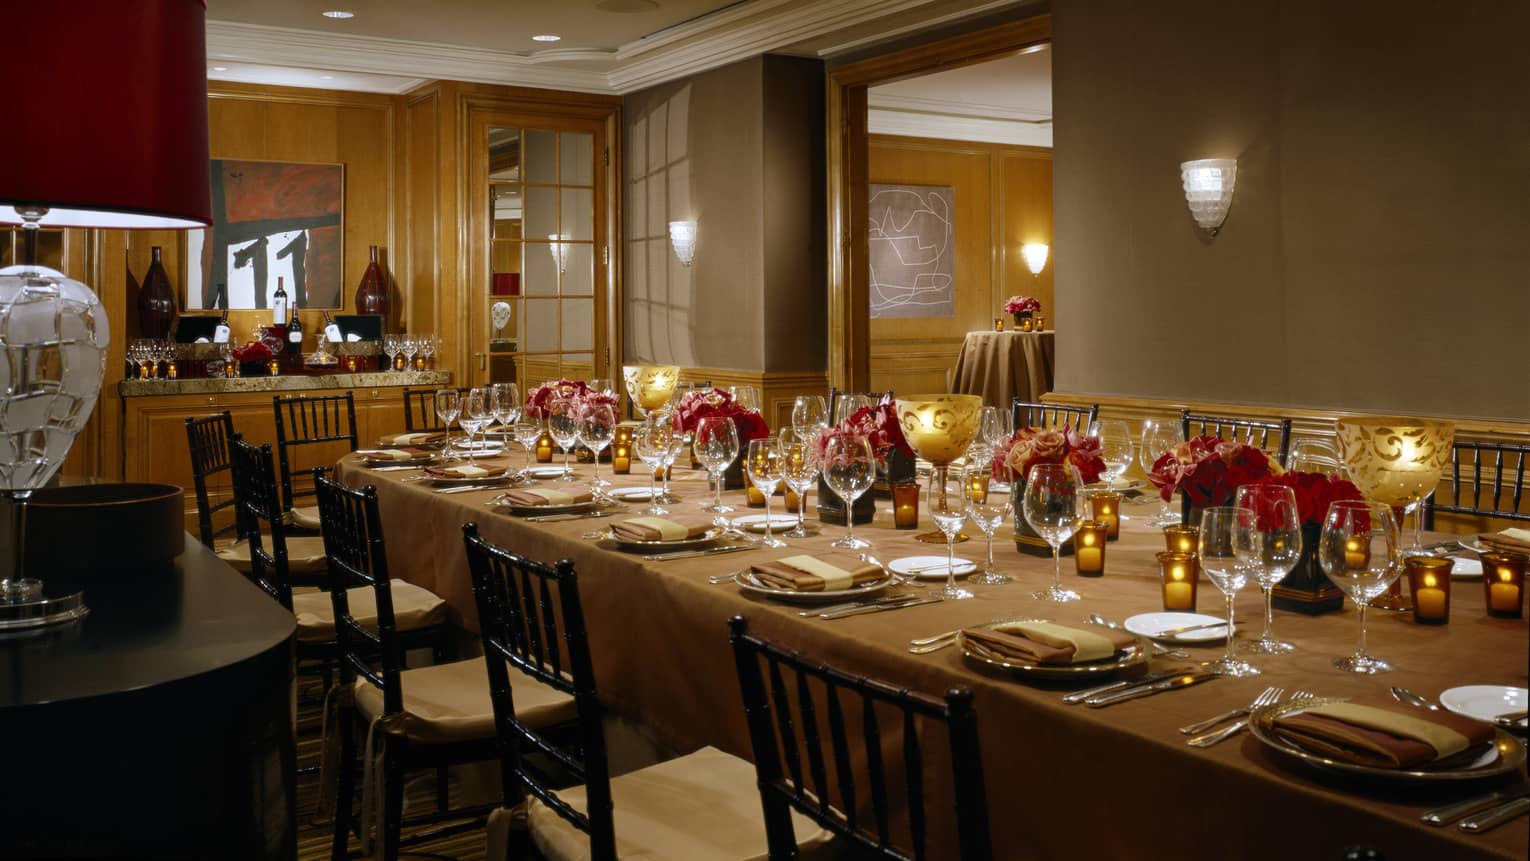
x=999, y=366
x=159, y=726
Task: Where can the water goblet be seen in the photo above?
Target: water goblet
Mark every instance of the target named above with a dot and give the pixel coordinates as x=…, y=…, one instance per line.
x=1115, y=448
x=507, y=407
x=601, y=386
x=1358, y=551
x=1222, y=563
x=1157, y=438
x=989, y=505
x=762, y=465
x=716, y=447
x=847, y=405
x=1053, y=506
x=1270, y=544
x=390, y=348
x=652, y=444
x=745, y=397
x=527, y=431
x=427, y=346
x=799, y=469
x=448, y=407
x=948, y=508
x=597, y=427
x=563, y=425
x=808, y=412
x=476, y=413
x=848, y=469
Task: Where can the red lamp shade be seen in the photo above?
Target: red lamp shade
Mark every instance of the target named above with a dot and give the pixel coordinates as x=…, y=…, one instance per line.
x=106, y=119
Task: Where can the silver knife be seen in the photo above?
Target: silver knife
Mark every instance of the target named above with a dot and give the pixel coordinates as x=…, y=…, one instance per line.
x=1185, y=629
x=1182, y=680
x=879, y=608
x=1451, y=812
x=850, y=605
x=1490, y=819
x=1086, y=693
x=554, y=518
x=464, y=488
x=686, y=554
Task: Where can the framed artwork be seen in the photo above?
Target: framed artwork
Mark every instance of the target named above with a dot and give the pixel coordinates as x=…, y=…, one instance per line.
x=911, y=245
x=270, y=219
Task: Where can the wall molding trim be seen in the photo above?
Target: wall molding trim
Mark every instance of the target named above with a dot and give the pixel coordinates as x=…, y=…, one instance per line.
x=947, y=127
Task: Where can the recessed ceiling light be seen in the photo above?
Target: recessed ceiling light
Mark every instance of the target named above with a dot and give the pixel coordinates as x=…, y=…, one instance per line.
x=220, y=68
x=339, y=13
x=546, y=37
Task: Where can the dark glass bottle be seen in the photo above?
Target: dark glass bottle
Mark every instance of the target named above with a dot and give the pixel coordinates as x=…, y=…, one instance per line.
x=295, y=334
x=279, y=303
x=372, y=292
x=156, y=301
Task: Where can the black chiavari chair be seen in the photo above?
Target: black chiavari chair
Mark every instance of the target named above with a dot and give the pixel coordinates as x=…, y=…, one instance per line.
x=207, y=439
x=302, y=422
x=420, y=410
x=1495, y=468
x=1254, y=432
x=1034, y=414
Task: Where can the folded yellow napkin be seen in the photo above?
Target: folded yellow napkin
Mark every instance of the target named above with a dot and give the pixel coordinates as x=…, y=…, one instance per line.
x=829, y=572
x=389, y=455
x=661, y=528
x=466, y=471
x=1384, y=734
x=418, y=438
x=1515, y=540
x=1050, y=643
x=532, y=496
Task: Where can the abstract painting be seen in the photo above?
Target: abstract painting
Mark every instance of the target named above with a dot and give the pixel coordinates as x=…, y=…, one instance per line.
x=270, y=220
x=911, y=243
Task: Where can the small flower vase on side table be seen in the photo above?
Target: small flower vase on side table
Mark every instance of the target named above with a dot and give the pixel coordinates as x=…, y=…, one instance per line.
x=1306, y=589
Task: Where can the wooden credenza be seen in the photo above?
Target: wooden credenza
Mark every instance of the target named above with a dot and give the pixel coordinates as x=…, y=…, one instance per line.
x=154, y=444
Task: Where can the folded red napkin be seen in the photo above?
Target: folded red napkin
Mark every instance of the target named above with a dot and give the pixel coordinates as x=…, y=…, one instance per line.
x=1511, y=540
x=393, y=455
x=466, y=470
x=1385, y=734
x=533, y=496
x=1050, y=643
x=661, y=528
x=827, y=572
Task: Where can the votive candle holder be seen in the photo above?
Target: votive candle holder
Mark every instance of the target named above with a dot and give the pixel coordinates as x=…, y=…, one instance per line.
x=905, y=497
x=1181, y=538
x=998, y=324
x=1106, y=505
x=545, y=448
x=1089, y=548
x=1180, y=573
x=1429, y=584
x=1503, y=583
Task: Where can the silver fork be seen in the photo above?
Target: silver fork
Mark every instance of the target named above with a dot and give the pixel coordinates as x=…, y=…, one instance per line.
x=1236, y=727
x=926, y=645
x=1269, y=695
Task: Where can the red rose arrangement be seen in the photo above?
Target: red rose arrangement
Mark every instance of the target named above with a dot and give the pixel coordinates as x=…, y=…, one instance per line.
x=1209, y=470
x=1314, y=493
x=1032, y=446
x=878, y=425
x=698, y=405
x=1022, y=305
x=541, y=396
x=592, y=398
x=254, y=351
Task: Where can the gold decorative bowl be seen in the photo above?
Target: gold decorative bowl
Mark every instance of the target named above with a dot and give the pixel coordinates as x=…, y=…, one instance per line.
x=940, y=427
x=650, y=386
x=1395, y=460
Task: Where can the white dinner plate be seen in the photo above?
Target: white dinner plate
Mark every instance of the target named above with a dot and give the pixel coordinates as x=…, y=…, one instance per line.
x=631, y=494
x=756, y=522
x=930, y=567
x=1149, y=624
x=478, y=445
x=752, y=584
x=1485, y=702
x=545, y=472
x=1466, y=569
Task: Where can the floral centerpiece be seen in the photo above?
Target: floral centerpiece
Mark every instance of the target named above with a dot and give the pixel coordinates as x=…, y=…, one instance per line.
x=698, y=405
x=1306, y=589
x=1022, y=306
x=541, y=396
x=878, y=425
x=1031, y=446
x=1314, y=491
x=1209, y=470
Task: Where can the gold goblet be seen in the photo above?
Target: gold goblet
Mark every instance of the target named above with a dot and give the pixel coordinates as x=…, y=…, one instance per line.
x=650, y=386
x=1396, y=461
x=940, y=427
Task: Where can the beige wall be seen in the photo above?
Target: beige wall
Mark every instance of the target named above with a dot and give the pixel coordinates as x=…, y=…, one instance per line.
x=1377, y=253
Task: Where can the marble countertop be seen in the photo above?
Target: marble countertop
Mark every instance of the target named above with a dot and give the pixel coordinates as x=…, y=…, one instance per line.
x=282, y=383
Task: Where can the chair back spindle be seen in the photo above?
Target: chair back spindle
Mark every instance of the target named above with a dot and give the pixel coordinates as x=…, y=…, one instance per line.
x=258, y=510
x=1497, y=469
x=420, y=410
x=1273, y=435
x=326, y=421
x=207, y=439
x=1035, y=414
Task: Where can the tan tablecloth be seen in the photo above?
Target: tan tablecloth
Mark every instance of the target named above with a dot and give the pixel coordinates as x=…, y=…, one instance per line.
x=1005, y=365
x=659, y=639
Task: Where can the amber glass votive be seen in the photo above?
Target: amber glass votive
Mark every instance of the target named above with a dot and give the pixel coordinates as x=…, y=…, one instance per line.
x=621, y=458
x=1181, y=539
x=274, y=366
x=977, y=486
x=1180, y=572
x=1429, y=583
x=1025, y=324
x=1039, y=323
x=905, y=497
x=545, y=448
x=998, y=324
x=1089, y=548
x=1503, y=583
x=793, y=501
x=1107, y=509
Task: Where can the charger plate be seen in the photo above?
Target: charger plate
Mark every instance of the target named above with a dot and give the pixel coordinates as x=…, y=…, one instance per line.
x=1130, y=656
x=752, y=584
x=662, y=545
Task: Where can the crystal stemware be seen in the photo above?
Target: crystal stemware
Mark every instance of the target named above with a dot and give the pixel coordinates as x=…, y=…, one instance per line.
x=1115, y=448
x=527, y=431
x=390, y=349
x=427, y=346
x=1358, y=551
x=597, y=427
x=563, y=425
x=1053, y=505
x=652, y=444
x=809, y=412
x=762, y=465
x=940, y=428
x=448, y=407
x=477, y=412
x=988, y=506
x=1221, y=562
x=1157, y=438
x=848, y=469
x=799, y=469
x=745, y=397
x=948, y=508
x=716, y=447
x=1397, y=461
x=1270, y=545
x=846, y=405
x=507, y=406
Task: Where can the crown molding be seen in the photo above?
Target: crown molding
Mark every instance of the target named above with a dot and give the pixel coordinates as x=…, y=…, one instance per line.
x=953, y=107
x=927, y=23
x=947, y=127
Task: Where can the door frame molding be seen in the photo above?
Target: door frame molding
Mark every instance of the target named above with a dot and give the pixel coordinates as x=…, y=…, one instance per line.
x=845, y=106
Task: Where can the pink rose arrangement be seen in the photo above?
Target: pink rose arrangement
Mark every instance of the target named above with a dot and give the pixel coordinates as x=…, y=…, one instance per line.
x=1209, y=470
x=878, y=425
x=541, y=396
x=698, y=405
x=1022, y=305
x=1032, y=446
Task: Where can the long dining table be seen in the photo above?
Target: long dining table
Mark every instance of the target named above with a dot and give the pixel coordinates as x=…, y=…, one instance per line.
x=1062, y=781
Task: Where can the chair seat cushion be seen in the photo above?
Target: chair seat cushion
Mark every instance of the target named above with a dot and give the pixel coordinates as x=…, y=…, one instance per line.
x=450, y=702
x=305, y=554
x=413, y=608
x=304, y=517
x=705, y=805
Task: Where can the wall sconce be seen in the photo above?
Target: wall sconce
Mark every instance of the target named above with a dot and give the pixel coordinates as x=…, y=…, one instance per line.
x=559, y=250
x=1035, y=254
x=682, y=235
x=1209, y=184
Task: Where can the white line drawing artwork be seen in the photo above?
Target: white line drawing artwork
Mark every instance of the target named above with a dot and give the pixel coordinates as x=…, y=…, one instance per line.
x=910, y=241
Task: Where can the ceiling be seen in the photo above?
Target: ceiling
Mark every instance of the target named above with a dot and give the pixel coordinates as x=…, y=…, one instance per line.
x=393, y=45
x=1008, y=100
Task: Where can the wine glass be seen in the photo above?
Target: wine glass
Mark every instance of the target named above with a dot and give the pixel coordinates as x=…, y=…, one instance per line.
x=597, y=427
x=448, y=407
x=846, y=405
x=809, y=412
x=988, y=506
x=507, y=409
x=527, y=431
x=799, y=469
x=948, y=508
x=1311, y=455
x=410, y=346
x=652, y=444
x=746, y=397
x=477, y=412
x=563, y=424
x=762, y=465
x=427, y=347
x=601, y=386
x=1053, y=506
x=848, y=470
x=1270, y=544
x=716, y=448
x=1226, y=568
x=1358, y=552
x=1115, y=448
x=1157, y=438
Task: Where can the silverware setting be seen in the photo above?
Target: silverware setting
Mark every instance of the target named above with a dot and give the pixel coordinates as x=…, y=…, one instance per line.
x=1268, y=696
x=1170, y=633
x=1490, y=819
x=394, y=468
x=1158, y=649
x=1507, y=720
x=554, y=518
x=719, y=579
x=850, y=605
x=1451, y=812
x=686, y=554
x=926, y=645
x=880, y=608
x=1079, y=696
x=1178, y=681
x=1232, y=729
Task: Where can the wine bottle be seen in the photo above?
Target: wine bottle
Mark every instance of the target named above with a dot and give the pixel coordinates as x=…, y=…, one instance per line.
x=331, y=329
x=221, y=333
x=295, y=333
x=279, y=304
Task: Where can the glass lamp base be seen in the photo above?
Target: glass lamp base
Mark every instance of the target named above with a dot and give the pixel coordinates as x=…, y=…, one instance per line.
x=23, y=591
x=1363, y=663
x=1056, y=594
x=1234, y=668
x=1267, y=646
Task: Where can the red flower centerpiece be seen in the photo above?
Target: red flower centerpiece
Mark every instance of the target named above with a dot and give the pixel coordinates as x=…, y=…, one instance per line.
x=1306, y=589
x=1022, y=305
x=698, y=405
x=1209, y=470
x=878, y=425
x=1314, y=493
x=541, y=396
x=1031, y=446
